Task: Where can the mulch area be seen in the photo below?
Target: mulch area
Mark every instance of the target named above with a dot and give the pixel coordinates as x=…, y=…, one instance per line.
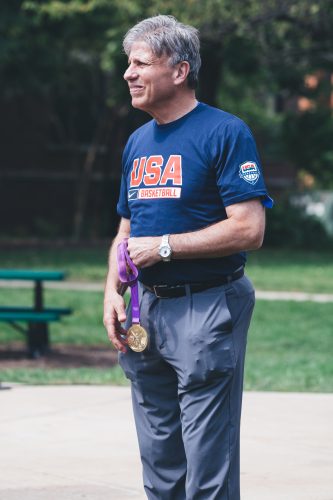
x=60, y=356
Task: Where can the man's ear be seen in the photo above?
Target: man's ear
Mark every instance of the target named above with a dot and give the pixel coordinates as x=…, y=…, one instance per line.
x=182, y=70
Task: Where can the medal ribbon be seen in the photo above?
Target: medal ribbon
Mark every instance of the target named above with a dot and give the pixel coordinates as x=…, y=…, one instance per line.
x=128, y=274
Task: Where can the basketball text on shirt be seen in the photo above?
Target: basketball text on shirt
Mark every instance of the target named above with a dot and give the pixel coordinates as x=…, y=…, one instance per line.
x=156, y=177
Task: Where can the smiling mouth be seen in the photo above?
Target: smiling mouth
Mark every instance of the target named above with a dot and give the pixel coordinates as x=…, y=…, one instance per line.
x=136, y=89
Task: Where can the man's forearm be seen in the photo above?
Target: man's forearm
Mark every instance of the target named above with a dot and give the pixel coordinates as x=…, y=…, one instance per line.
x=114, y=304
x=242, y=230
x=218, y=240
x=112, y=280
x=113, y=283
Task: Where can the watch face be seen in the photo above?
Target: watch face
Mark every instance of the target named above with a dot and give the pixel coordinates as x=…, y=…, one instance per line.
x=165, y=252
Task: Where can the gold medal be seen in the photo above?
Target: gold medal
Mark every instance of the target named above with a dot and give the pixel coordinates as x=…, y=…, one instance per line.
x=137, y=338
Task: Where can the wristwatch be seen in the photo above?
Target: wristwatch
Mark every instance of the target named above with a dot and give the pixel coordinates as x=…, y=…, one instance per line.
x=164, y=250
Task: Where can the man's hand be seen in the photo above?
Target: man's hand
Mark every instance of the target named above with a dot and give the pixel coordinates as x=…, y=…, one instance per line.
x=114, y=314
x=144, y=250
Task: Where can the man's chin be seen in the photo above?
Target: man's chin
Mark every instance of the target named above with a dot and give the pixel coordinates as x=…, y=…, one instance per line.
x=138, y=103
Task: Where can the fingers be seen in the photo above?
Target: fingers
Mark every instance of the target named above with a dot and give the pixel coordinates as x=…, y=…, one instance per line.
x=114, y=335
x=115, y=331
x=133, y=251
x=120, y=310
x=114, y=315
x=144, y=251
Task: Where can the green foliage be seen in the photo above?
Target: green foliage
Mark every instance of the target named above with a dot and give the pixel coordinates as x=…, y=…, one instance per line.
x=283, y=38
x=288, y=226
x=67, y=54
x=308, y=138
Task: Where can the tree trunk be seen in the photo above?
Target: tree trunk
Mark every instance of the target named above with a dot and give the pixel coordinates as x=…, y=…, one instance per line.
x=84, y=180
x=211, y=71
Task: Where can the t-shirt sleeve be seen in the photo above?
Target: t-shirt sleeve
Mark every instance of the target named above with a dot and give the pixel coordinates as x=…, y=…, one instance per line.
x=122, y=206
x=239, y=173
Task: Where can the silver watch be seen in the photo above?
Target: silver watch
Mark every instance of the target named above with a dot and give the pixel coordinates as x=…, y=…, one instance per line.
x=164, y=250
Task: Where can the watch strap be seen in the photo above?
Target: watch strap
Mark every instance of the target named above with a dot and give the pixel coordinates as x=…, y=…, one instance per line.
x=165, y=240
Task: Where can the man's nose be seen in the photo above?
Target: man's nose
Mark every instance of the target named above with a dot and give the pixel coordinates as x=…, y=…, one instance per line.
x=130, y=73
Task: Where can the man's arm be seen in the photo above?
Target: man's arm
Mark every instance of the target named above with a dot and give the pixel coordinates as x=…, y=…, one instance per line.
x=242, y=230
x=114, y=304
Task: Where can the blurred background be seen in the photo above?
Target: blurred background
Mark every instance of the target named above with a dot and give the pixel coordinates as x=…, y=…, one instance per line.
x=65, y=116
x=65, y=111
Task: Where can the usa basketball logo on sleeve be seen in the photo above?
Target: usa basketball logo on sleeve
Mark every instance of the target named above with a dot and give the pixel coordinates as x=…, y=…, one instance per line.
x=249, y=171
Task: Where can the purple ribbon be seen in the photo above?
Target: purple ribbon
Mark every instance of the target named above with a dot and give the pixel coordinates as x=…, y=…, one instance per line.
x=128, y=274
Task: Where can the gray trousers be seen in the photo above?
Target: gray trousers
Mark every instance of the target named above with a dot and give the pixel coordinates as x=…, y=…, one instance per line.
x=187, y=391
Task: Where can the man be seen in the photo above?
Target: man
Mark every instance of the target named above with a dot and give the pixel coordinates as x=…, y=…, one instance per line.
x=191, y=203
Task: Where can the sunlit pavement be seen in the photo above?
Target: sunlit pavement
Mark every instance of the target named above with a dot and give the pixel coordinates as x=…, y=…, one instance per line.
x=79, y=442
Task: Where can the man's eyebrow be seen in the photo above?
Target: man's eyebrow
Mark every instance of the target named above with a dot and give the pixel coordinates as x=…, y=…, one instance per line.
x=138, y=59
x=144, y=59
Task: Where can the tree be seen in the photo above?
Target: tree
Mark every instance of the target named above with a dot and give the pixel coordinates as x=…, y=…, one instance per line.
x=68, y=53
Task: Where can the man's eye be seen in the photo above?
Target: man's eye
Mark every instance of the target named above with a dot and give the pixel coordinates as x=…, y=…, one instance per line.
x=138, y=63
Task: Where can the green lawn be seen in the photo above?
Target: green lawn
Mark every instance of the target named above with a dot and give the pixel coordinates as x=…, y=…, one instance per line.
x=289, y=348
x=64, y=376
x=269, y=269
x=83, y=327
x=87, y=264
x=291, y=270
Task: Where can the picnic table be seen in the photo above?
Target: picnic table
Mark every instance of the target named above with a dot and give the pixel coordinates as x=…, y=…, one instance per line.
x=37, y=317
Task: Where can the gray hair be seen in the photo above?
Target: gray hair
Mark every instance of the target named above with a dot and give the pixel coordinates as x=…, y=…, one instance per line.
x=167, y=36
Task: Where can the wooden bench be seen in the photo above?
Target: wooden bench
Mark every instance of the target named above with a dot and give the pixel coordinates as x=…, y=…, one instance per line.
x=37, y=317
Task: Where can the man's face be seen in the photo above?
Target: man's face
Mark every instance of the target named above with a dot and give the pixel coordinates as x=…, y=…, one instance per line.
x=151, y=79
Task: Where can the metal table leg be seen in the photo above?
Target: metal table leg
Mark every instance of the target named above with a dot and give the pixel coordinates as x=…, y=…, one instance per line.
x=38, y=333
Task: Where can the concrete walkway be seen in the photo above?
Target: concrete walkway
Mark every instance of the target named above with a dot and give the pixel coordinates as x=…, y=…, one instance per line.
x=99, y=287
x=78, y=442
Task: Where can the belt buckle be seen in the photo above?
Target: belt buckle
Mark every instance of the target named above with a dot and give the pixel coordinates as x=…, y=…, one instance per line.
x=155, y=287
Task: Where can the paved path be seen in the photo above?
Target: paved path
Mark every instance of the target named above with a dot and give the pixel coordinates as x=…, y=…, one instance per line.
x=98, y=287
x=78, y=442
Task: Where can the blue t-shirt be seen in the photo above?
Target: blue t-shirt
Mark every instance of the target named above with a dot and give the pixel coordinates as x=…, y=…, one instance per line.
x=180, y=176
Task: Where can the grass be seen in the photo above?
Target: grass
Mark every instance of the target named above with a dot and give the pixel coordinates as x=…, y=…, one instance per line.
x=86, y=376
x=291, y=270
x=86, y=264
x=306, y=271
x=289, y=347
x=84, y=327
x=289, y=343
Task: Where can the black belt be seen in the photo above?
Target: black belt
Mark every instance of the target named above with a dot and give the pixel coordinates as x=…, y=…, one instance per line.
x=169, y=291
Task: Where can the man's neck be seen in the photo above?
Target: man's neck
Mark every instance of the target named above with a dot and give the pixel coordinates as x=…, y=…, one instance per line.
x=175, y=109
